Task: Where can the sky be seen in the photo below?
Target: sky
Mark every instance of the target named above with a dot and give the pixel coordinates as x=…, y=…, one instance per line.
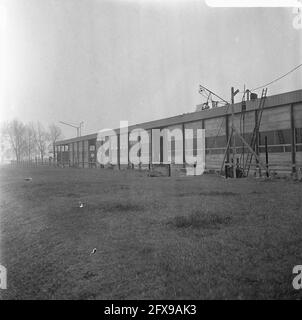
x=102, y=61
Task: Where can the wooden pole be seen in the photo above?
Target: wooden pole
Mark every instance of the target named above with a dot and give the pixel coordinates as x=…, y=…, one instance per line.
x=119, y=151
x=293, y=139
x=150, y=149
x=266, y=157
x=128, y=142
x=226, y=151
x=251, y=150
x=258, y=171
x=183, y=145
x=233, y=137
x=227, y=133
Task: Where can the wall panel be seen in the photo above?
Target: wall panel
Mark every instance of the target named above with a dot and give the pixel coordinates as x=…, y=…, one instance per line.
x=86, y=153
x=214, y=127
x=275, y=119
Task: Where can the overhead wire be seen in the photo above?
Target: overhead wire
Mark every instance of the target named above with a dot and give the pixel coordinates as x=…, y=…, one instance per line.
x=244, y=92
x=277, y=79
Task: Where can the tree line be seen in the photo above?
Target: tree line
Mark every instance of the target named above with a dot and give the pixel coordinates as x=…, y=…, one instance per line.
x=26, y=141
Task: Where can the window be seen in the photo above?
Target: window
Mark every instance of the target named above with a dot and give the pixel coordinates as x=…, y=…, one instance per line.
x=282, y=136
x=298, y=135
x=216, y=142
x=275, y=137
x=270, y=138
x=173, y=150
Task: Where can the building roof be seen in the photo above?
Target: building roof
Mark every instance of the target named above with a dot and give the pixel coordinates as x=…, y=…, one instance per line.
x=271, y=101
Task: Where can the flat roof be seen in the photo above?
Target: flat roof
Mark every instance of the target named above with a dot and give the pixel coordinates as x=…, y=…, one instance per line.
x=271, y=101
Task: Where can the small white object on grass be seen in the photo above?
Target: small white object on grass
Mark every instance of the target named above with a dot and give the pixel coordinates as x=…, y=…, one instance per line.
x=81, y=204
x=93, y=251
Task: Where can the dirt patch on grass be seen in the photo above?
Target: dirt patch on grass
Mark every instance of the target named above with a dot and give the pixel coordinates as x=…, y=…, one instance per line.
x=115, y=188
x=209, y=193
x=200, y=221
x=125, y=207
x=73, y=195
x=122, y=207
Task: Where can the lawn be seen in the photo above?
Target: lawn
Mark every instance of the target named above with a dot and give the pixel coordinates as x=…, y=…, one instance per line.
x=155, y=237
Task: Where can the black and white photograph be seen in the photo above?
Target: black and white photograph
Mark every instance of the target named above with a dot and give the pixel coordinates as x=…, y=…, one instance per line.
x=151, y=151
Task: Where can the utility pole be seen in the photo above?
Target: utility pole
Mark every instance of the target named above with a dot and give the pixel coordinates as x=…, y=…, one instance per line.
x=79, y=132
x=233, y=93
x=80, y=127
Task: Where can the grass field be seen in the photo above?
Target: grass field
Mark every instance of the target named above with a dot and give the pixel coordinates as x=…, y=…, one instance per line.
x=156, y=237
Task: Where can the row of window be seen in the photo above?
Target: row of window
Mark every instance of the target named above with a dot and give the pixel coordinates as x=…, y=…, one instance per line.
x=274, y=139
x=271, y=149
x=214, y=151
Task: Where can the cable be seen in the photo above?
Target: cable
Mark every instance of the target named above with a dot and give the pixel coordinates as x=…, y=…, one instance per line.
x=209, y=96
x=275, y=80
x=222, y=120
x=202, y=87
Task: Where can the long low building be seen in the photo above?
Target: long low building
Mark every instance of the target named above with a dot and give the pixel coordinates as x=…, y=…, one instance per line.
x=280, y=126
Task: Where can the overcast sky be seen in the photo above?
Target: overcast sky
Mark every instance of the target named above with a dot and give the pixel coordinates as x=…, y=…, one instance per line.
x=103, y=61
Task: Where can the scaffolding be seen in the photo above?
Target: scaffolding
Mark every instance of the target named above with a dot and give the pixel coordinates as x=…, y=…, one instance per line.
x=242, y=167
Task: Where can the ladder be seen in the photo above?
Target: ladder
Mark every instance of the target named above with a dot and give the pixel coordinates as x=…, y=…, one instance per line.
x=255, y=133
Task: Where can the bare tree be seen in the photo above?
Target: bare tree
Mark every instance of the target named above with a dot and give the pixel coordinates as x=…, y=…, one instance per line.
x=30, y=140
x=41, y=137
x=14, y=132
x=55, y=133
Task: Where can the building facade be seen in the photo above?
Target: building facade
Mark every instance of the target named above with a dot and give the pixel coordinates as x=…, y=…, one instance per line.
x=281, y=126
